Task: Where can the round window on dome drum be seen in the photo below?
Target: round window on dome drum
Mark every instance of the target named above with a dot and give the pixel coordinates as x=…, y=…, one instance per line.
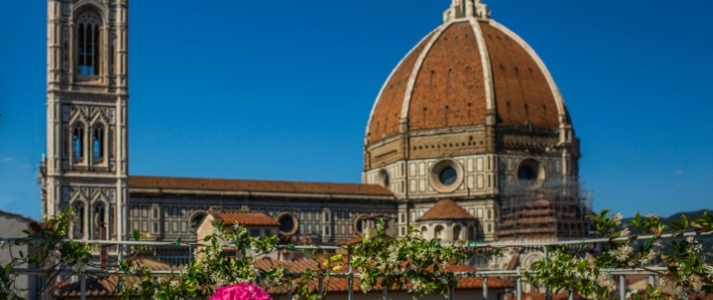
x=448, y=176
x=527, y=173
x=530, y=173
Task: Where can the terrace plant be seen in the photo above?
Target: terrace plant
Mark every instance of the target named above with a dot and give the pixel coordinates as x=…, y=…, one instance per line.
x=686, y=265
x=407, y=262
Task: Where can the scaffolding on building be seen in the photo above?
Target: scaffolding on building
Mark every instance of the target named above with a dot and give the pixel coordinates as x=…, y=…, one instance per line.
x=543, y=209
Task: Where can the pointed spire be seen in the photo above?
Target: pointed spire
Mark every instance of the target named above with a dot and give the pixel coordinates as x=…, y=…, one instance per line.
x=465, y=9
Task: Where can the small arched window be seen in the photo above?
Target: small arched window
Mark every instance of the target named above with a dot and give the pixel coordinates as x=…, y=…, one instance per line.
x=471, y=233
x=88, y=43
x=438, y=233
x=98, y=143
x=78, y=143
x=456, y=233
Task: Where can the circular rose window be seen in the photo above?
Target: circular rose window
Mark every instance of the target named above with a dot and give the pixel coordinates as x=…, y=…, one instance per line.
x=288, y=224
x=446, y=175
x=194, y=220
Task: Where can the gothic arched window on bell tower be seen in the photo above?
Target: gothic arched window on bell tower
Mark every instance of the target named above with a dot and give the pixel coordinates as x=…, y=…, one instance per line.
x=78, y=143
x=99, y=219
x=78, y=225
x=98, y=144
x=88, y=44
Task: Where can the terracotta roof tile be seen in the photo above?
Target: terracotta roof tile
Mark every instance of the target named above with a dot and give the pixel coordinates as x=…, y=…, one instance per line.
x=106, y=286
x=351, y=241
x=341, y=284
x=95, y=287
x=387, y=113
x=150, y=182
x=449, y=88
x=538, y=296
x=445, y=209
x=521, y=89
x=248, y=217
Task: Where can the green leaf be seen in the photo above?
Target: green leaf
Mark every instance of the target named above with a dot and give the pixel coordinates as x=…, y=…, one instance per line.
x=707, y=217
x=636, y=221
x=684, y=221
x=137, y=234
x=177, y=241
x=335, y=258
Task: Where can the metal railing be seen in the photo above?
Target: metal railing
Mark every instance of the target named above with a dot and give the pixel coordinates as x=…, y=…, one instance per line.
x=350, y=274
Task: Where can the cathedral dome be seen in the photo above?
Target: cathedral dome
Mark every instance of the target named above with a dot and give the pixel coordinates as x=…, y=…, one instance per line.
x=469, y=71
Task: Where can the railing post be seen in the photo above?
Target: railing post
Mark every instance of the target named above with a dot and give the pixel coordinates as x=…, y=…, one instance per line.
x=451, y=295
x=119, y=260
x=622, y=287
x=571, y=295
x=518, y=288
x=321, y=286
x=548, y=293
x=289, y=291
x=350, y=283
x=385, y=289
x=485, y=287
x=83, y=287
x=652, y=280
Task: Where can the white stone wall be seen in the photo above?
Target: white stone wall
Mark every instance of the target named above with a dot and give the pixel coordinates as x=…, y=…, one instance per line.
x=478, y=178
x=12, y=227
x=479, y=184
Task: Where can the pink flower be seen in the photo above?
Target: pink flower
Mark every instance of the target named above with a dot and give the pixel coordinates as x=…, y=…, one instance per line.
x=241, y=291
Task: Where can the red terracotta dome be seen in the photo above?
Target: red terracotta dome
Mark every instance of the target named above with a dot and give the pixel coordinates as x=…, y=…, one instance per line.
x=465, y=68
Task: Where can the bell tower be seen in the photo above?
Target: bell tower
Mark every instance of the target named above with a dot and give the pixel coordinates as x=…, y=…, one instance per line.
x=86, y=163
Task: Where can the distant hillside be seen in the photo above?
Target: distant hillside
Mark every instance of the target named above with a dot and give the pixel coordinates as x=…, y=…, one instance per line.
x=691, y=215
x=706, y=241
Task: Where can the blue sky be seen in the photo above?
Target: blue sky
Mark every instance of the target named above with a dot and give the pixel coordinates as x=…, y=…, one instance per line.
x=282, y=89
